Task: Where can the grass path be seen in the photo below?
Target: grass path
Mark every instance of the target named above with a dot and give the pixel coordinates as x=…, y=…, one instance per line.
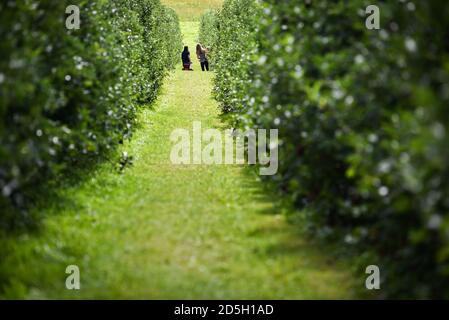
x=165, y=231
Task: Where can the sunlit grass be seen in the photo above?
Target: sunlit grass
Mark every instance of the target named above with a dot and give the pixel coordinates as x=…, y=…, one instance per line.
x=191, y=10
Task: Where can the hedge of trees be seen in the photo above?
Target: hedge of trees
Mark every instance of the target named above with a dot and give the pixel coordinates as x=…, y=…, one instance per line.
x=208, y=39
x=68, y=96
x=362, y=121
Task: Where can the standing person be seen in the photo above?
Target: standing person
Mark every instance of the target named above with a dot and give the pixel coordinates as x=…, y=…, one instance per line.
x=201, y=53
x=186, y=62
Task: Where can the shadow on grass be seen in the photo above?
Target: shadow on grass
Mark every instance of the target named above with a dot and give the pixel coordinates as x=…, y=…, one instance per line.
x=295, y=240
x=51, y=197
x=47, y=193
x=48, y=196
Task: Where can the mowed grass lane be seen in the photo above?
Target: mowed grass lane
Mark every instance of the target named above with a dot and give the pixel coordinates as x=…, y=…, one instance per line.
x=162, y=231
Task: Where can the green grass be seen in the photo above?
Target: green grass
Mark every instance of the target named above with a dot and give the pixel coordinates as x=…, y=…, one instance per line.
x=161, y=231
x=191, y=10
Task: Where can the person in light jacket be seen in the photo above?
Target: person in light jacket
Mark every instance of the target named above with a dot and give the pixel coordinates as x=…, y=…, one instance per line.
x=201, y=53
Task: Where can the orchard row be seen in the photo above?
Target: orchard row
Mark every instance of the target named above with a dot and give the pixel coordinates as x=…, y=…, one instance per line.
x=69, y=96
x=362, y=119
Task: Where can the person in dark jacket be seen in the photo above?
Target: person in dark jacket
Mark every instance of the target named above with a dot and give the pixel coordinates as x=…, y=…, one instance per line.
x=186, y=62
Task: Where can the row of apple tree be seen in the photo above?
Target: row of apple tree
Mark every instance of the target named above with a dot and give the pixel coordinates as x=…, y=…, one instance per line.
x=73, y=75
x=362, y=118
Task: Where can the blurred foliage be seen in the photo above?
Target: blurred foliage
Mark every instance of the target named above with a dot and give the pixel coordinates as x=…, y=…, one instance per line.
x=67, y=96
x=363, y=128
